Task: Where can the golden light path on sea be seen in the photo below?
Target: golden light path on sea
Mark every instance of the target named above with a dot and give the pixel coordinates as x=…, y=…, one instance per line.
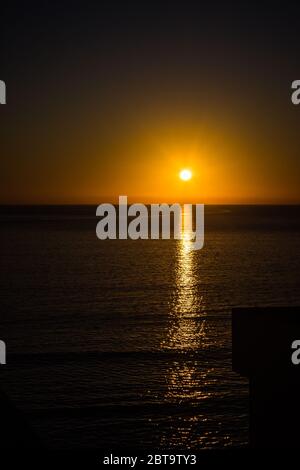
x=185, y=380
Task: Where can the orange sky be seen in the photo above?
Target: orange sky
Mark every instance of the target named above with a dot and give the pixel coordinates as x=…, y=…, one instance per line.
x=120, y=102
x=231, y=163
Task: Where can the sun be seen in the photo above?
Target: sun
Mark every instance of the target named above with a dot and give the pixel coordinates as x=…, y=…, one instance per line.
x=185, y=175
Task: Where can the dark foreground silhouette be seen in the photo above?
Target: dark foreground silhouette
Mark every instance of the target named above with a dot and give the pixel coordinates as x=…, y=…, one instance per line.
x=262, y=350
x=15, y=431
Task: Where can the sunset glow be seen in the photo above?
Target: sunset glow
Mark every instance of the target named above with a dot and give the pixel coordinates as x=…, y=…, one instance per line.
x=173, y=134
x=185, y=175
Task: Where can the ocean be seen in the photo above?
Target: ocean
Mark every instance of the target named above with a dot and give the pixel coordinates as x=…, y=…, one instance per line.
x=123, y=343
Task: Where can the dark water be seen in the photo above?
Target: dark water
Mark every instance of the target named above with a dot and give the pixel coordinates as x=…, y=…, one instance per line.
x=128, y=343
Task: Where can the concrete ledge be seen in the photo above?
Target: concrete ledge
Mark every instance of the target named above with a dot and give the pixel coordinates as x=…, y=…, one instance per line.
x=262, y=351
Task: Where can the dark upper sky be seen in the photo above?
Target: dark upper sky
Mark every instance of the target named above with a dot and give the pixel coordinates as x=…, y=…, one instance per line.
x=116, y=98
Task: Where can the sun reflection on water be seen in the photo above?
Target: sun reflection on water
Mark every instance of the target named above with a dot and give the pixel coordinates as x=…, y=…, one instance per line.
x=187, y=312
x=186, y=383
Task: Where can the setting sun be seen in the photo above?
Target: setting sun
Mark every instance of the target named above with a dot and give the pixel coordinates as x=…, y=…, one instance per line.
x=185, y=175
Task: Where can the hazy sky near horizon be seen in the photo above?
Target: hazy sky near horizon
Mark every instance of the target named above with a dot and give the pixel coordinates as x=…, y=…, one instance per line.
x=104, y=100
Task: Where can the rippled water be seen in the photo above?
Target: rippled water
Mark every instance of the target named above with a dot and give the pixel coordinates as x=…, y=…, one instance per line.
x=128, y=343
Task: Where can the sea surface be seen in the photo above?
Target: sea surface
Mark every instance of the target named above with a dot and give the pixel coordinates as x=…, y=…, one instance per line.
x=123, y=343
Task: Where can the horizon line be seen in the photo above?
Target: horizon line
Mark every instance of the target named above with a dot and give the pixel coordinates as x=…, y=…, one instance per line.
x=42, y=204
